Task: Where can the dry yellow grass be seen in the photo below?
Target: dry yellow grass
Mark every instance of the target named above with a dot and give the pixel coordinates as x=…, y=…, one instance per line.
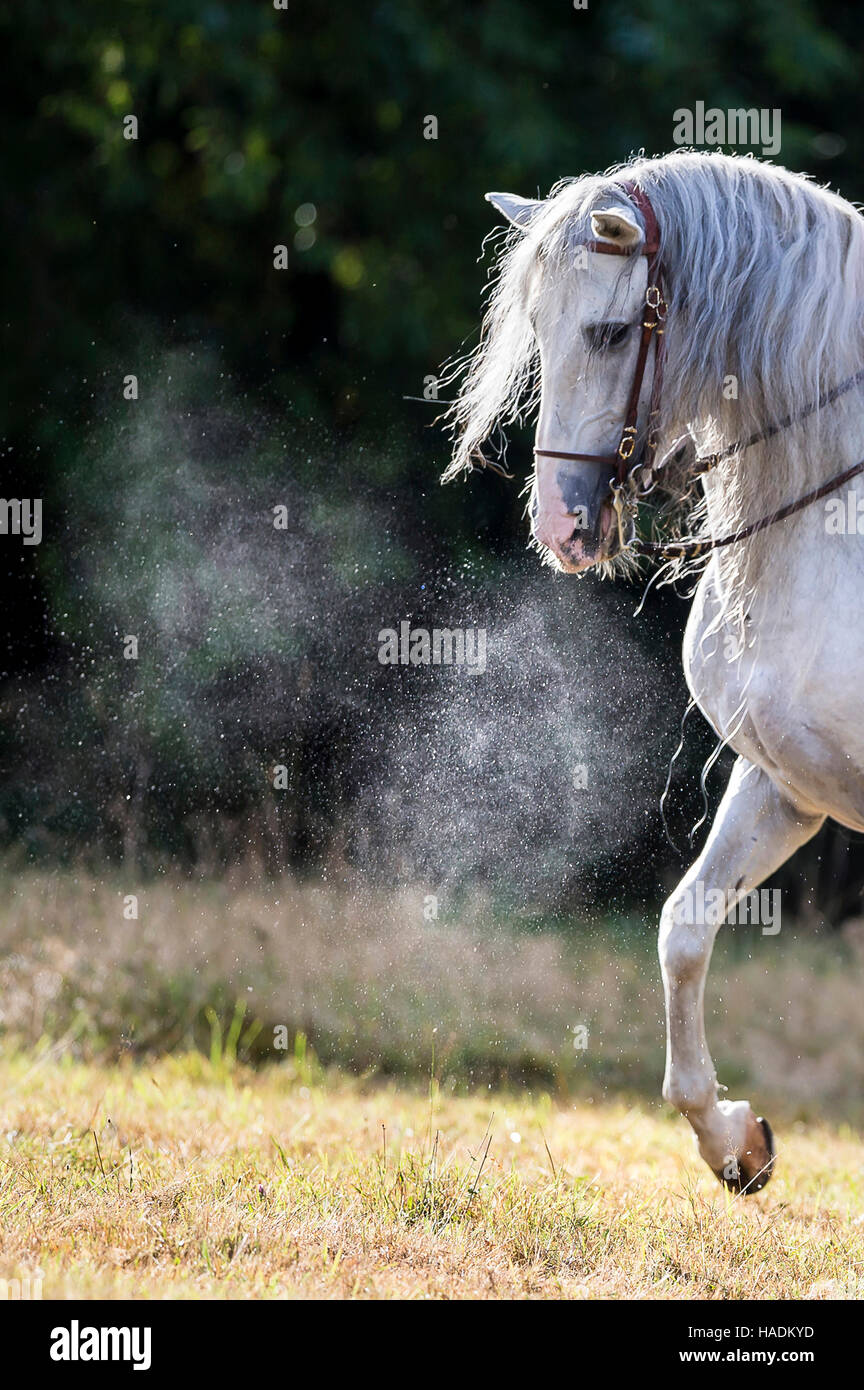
x=187, y=1179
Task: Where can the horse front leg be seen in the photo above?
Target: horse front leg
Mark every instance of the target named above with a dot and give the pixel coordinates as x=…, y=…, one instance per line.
x=756, y=828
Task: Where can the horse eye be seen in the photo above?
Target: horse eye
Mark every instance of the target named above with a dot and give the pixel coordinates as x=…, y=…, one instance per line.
x=602, y=336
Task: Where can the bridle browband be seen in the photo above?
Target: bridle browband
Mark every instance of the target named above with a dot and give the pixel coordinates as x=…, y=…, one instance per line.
x=653, y=327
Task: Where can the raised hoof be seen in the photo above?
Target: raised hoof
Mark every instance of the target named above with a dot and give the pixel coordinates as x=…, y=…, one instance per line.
x=751, y=1170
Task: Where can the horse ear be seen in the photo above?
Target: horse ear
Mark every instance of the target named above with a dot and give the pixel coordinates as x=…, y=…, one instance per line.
x=616, y=226
x=517, y=210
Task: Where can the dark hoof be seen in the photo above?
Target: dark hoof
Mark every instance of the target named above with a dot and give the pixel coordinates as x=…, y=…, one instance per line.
x=751, y=1170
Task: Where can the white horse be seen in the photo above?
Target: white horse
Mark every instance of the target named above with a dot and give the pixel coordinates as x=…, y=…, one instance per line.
x=763, y=276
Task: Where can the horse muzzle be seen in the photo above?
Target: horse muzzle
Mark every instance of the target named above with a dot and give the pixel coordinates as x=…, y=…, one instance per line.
x=573, y=516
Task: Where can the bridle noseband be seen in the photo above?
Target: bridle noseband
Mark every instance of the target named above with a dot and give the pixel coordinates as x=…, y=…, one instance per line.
x=652, y=332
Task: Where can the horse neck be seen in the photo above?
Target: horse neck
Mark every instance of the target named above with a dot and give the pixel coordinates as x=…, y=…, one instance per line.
x=760, y=480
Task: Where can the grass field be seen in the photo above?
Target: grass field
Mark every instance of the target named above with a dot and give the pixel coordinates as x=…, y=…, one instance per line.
x=157, y=1138
x=194, y=1178
x=378, y=989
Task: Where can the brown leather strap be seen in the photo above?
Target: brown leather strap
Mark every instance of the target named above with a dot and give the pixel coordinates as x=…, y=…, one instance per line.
x=608, y=248
x=587, y=458
x=691, y=546
x=652, y=331
x=704, y=465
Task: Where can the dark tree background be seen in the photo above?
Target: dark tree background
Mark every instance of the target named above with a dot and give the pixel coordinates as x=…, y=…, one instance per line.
x=304, y=127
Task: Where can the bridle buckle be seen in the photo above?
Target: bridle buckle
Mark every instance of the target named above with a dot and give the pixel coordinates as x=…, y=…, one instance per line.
x=625, y=515
x=628, y=442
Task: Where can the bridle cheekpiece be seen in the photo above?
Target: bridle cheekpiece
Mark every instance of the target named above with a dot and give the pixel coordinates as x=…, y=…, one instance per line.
x=652, y=332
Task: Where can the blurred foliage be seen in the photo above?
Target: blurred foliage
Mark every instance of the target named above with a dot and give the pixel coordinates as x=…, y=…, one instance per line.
x=304, y=127
x=301, y=127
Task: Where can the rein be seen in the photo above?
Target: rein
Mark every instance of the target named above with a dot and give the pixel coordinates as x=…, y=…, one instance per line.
x=624, y=479
x=692, y=547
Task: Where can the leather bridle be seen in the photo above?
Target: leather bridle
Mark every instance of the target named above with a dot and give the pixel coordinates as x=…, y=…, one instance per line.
x=652, y=332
